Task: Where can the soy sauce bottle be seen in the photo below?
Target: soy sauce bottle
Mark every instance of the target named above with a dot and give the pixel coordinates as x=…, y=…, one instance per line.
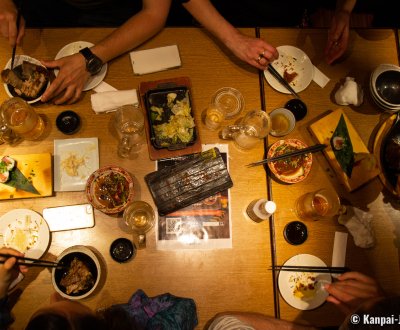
x=260, y=209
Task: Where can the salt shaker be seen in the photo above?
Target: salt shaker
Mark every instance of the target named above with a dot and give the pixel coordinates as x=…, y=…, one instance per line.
x=260, y=209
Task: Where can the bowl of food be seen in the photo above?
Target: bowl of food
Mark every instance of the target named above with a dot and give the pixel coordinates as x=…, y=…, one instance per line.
x=80, y=274
x=110, y=189
x=28, y=79
x=290, y=169
x=385, y=87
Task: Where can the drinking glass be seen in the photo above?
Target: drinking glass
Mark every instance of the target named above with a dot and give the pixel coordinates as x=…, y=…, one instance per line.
x=318, y=204
x=254, y=127
x=139, y=216
x=215, y=115
x=22, y=118
x=129, y=123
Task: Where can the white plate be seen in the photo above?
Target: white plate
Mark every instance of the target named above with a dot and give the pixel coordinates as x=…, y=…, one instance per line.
x=25, y=219
x=287, y=285
x=291, y=59
x=18, y=61
x=75, y=47
x=86, y=154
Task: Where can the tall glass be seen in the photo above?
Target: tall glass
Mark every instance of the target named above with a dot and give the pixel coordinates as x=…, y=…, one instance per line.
x=22, y=118
x=129, y=123
x=318, y=204
x=139, y=216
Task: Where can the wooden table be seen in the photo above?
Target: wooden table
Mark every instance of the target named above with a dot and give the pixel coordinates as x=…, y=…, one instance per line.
x=367, y=49
x=218, y=280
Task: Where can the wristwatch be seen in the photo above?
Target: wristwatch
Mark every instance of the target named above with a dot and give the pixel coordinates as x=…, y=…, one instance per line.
x=93, y=62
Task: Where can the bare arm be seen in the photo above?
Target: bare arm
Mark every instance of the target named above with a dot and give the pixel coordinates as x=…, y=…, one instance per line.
x=8, y=23
x=244, y=47
x=68, y=85
x=338, y=35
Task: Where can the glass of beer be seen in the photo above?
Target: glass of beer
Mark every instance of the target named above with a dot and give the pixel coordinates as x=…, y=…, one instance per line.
x=139, y=217
x=22, y=118
x=318, y=204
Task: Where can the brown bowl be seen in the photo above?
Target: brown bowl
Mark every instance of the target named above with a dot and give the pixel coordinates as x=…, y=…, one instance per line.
x=110, y=189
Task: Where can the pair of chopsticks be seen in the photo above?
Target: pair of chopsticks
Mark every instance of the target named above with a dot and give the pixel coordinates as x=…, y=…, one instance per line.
x=35, y=263
x=281, y=80
x=314, y=148
x=18, y=21
x=312, y=269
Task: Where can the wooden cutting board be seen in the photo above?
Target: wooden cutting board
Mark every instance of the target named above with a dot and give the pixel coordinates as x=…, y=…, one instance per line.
x=38, y=169
x=363, y=171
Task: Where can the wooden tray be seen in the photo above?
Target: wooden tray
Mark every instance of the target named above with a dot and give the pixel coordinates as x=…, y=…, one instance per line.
x=323, y=130
x=38, y=169
x=154, y=153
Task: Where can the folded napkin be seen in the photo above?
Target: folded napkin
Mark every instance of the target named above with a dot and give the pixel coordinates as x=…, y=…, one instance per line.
x=112, y=100
x=358, y=223
x=320, y=78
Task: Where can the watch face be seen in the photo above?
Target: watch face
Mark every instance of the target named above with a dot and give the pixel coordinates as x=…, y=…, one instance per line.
x=94, y=65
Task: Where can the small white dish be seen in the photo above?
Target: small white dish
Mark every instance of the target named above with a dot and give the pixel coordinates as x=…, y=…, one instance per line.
x=291, y=59
x=75, y=47
x=32, y=226
x=287, y=282
x=74, y=161
x=282, y=122
x=18, y=61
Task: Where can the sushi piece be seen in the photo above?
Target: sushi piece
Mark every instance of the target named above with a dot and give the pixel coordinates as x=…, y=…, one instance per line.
x=338, y=142
x=4, y=176
x=8, y=162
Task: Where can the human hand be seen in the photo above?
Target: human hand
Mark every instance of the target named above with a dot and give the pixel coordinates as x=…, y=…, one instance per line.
x=352, y=289
x=8, y=23
x=338, y=36
x=70, y=81
x=255, y=51
x=8, y=270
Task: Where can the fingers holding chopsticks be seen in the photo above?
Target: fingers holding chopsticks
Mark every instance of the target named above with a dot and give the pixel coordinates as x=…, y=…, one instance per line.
x=9, y=269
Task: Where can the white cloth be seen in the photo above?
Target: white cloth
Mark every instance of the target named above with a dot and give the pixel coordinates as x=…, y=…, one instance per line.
x=111, y=101
x=320, y=78
x=228, y=322
x=358, y=223
x=349, y=93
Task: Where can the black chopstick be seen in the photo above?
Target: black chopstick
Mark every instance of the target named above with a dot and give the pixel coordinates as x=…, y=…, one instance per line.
x=314, y=148
x=35, y=263
x=15, y=46
x=281, y=80
x=312, y=269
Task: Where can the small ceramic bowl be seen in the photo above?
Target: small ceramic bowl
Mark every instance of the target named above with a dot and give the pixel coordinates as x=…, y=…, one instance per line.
x=122, y=250
x=295, y=233
x=84, y=255
x=282, y=122
x=68, y=122
x=110, y=189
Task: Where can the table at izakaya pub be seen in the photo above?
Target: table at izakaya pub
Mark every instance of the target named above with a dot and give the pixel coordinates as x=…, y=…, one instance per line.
x=236, y=278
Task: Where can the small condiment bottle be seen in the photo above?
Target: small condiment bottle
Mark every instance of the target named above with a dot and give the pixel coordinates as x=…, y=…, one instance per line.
x=260, y=209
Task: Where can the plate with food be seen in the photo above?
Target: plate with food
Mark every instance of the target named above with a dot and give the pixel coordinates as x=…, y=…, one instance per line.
x=74, y=161
x=110, y=189
x=294, y=66
x=304, y=290
x=75, y=47
x=26, y=231
x=291, y=169
x=28, y=79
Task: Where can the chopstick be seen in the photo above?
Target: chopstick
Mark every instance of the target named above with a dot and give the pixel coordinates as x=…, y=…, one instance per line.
x=314, y=148
x=312, y=269
x=35, y=263
x=281, y=80
x=18, y=21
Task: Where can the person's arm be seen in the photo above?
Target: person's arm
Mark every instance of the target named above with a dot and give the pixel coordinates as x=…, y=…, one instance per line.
x=68, y=86
x=351, y=290
x=8, y=23
x=338, y=35
x=248, y=49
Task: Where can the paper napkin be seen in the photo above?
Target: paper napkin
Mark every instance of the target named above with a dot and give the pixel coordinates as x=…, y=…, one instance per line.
x=154, y=60
x=112, y=100
x=320, y=78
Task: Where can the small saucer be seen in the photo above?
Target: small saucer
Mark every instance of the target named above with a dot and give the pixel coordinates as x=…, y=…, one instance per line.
x=68, y=122
x=122, y=250
x=295, y=233
x=297, y=107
